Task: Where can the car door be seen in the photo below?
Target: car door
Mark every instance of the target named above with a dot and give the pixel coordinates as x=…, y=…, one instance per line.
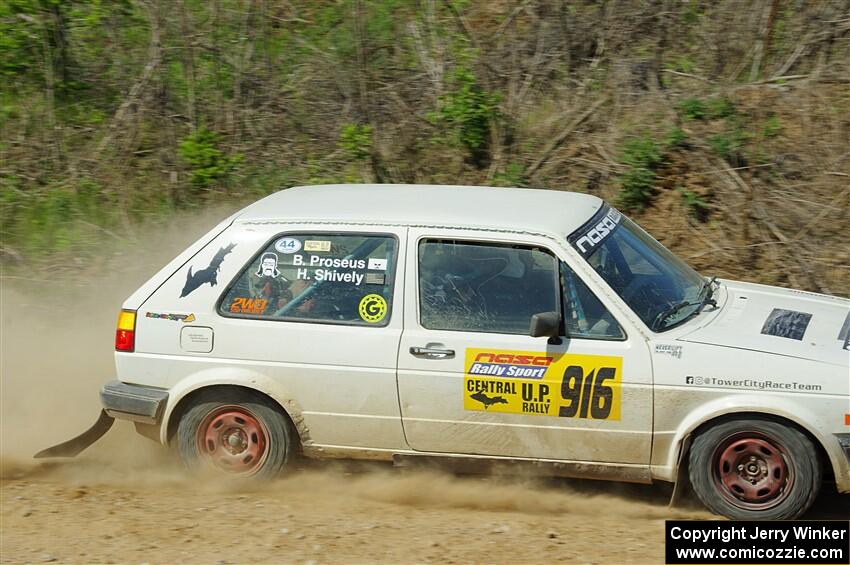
x=472, y=381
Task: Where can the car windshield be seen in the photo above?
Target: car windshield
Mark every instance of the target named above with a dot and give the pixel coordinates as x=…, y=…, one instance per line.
x=658, y=286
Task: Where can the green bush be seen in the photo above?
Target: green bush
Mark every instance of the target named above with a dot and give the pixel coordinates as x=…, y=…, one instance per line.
x=513, y=175
x=684, y=64
x=715, y=108
x=637, y=188
x=676, y=139
x=469, y=111
x=693, y=108
x=641, y=152
x=43, y=220
x=20, y=46
x=207, y=163
x=638, y=182
x=772, y=127
x=696, y=206
x=356, y=140
x=720, y=107
x=728, y=144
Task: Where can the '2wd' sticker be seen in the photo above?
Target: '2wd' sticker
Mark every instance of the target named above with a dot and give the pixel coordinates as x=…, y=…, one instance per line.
x=531, y=382
x=243, y=305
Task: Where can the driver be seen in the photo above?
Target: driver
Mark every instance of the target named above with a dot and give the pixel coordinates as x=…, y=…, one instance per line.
x=448, y=295
x=276, y=290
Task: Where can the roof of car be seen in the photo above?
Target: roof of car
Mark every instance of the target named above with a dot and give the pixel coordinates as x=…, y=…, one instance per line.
x=511, y=209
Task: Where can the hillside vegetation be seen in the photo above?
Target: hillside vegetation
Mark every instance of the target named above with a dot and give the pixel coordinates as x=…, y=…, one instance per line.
x=722, y=126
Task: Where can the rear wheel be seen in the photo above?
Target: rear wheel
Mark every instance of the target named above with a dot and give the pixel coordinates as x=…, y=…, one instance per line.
x=236, y=432
x=755, y=469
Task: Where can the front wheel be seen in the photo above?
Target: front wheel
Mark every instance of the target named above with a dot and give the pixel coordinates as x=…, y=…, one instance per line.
x=236, y=432
x=755, y=469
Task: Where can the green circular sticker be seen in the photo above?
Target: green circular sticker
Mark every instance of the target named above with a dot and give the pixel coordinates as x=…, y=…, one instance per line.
x=373, y=308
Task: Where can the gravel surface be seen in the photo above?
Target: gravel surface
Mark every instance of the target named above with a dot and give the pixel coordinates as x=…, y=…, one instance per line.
x=76, y=512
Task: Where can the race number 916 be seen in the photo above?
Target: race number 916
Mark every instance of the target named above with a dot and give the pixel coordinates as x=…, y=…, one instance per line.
x=543, y=384
x=582, y=392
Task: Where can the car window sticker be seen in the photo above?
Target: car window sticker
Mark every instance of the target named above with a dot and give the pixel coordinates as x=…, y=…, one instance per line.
x=208, y=274
x=268, y=266
x=317, y=245
x=373, y=308
x=288, y=245
x=586, y=238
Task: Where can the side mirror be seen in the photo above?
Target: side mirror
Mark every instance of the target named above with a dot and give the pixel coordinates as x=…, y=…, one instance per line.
x=545, y=324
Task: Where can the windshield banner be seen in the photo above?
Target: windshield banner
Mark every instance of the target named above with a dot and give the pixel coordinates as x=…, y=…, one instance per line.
x=586, y=238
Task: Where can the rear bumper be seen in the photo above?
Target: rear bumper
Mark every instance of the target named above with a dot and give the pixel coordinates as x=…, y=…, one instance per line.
x=138, y=403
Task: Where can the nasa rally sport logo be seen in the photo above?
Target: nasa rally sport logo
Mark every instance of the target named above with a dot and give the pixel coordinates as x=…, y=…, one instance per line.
x=288, y=245
x=373, y=308
x=499, y=364
x=599, y=232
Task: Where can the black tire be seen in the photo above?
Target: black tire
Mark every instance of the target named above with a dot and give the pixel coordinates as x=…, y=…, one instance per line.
x=755, y=469
x=266, y=438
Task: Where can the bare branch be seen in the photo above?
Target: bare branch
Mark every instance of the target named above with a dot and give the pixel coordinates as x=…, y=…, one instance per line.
x=561, y=137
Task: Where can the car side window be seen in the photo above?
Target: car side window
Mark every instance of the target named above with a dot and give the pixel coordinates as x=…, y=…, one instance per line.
x=326, y=278
x=584, y=315
x=484, y=287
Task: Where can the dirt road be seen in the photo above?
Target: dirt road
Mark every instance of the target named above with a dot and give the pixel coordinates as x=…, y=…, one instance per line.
x=144, y=510
x=83, y=512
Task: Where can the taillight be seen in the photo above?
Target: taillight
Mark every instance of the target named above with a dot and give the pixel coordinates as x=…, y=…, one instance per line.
x=125, y=334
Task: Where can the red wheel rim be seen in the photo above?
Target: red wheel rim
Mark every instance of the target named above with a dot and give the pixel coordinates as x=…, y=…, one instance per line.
x=233, y=440
x=751, y=470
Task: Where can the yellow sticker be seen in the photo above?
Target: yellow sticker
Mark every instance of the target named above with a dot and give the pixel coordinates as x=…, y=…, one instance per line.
x=185, y=318
x=531, y=382
x=373, y=308
x=317, y=245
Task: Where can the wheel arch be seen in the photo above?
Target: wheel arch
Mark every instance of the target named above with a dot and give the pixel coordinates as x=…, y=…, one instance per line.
x=819, y=447
x=179, y=404
x=684, y=441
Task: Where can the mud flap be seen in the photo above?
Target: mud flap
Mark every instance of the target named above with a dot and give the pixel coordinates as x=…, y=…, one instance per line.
x=680, y=487
x=75, y=446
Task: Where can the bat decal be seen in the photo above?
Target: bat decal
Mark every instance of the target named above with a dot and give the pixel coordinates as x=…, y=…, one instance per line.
x=486, y=400
x=208, y=274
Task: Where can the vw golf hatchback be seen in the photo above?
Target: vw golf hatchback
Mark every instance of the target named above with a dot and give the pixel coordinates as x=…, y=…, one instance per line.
x=483, y=324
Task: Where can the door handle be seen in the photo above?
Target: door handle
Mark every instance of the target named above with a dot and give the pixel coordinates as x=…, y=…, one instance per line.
x=432, y=352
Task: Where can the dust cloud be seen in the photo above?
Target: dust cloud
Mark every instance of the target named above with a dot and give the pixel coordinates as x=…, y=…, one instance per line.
x=57, y=337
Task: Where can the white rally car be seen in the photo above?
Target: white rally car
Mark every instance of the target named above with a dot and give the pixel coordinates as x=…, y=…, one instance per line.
x=479, y=324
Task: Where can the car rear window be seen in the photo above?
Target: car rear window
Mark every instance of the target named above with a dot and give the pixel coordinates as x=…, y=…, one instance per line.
x=323, y=278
